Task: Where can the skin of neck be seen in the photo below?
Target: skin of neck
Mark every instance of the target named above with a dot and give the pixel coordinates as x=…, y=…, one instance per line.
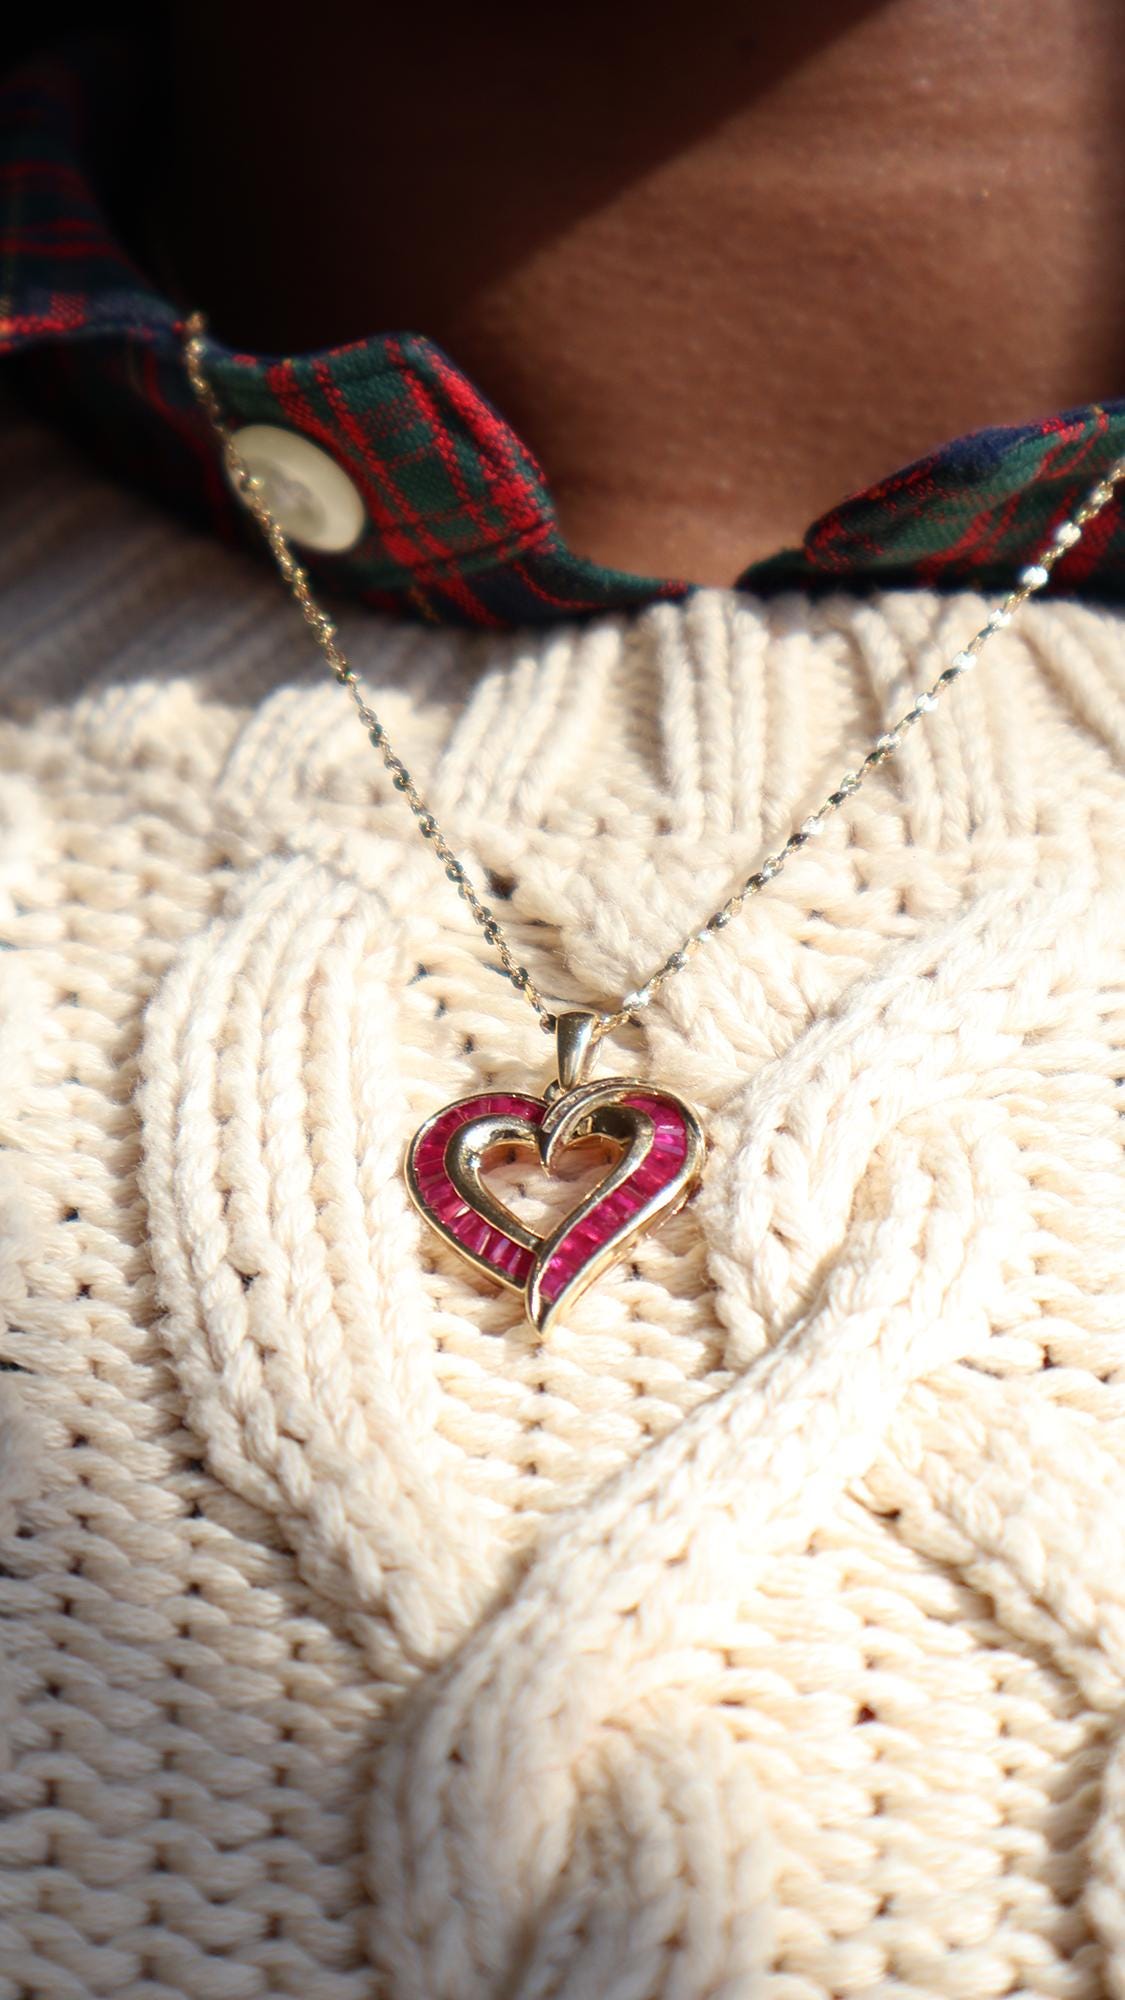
x=720, y=266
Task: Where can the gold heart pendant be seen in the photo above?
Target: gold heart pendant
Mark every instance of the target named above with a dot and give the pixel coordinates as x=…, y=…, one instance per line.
x=659, y=1167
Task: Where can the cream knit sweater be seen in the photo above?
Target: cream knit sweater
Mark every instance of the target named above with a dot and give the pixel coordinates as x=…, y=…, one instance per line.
x=760, y=1635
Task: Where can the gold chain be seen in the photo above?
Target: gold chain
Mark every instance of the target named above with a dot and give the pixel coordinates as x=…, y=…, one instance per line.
x=249, y=489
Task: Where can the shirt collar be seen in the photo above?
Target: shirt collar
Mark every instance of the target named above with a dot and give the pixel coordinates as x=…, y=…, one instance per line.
x=459, y=522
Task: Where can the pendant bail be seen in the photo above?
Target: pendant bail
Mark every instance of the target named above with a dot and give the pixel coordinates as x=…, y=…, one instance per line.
x=574, y=1044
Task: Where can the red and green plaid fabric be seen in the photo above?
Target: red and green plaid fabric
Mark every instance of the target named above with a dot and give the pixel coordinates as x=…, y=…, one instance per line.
x=461, y=525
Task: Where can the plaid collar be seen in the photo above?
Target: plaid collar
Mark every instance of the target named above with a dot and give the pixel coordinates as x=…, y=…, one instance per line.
x=461, y=527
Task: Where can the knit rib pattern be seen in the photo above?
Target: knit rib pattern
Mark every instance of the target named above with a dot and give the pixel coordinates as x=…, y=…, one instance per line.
x=760, y=1633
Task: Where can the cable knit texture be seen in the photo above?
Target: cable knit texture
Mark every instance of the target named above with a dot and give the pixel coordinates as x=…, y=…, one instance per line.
x=760, y=1634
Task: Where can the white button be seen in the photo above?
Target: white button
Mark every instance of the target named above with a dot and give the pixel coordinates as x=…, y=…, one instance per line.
x=310, y=497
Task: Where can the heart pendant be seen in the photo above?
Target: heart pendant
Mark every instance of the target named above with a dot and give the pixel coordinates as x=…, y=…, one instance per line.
x=659, y=1167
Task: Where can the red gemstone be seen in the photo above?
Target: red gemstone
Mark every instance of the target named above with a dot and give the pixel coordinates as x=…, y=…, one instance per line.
x=449, y=1205
x=587, y=1231
x=513, y=1258
x=559, y=1271
x=510, y=1106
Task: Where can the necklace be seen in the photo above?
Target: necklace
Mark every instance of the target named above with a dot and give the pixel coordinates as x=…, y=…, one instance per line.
x=658, y=1140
